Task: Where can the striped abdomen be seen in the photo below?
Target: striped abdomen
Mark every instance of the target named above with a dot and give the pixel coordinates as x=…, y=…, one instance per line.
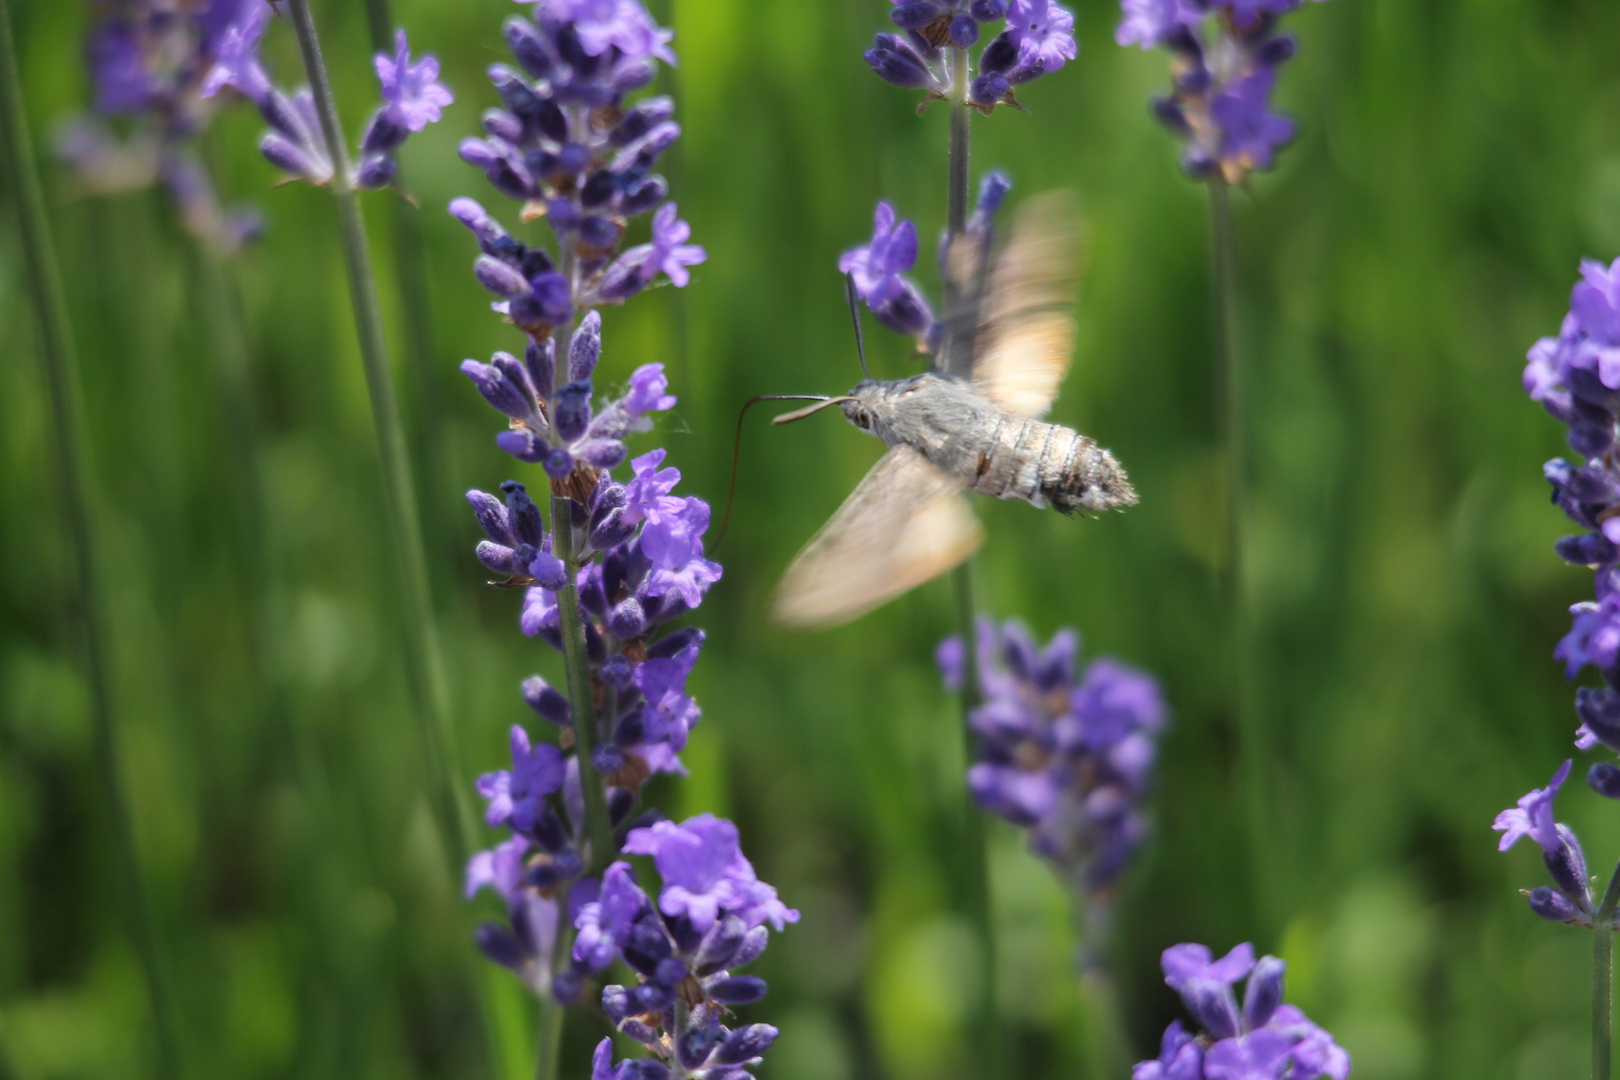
x=1047, y=463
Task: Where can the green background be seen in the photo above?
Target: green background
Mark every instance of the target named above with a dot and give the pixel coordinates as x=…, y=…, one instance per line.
x=1456, y=159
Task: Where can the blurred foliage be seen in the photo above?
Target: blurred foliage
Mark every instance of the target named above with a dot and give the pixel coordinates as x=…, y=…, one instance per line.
x=1457, y=157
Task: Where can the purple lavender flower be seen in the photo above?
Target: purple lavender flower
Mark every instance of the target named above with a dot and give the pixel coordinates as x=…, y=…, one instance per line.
x=1038, y=39
x=878, y=267
x=1224, y=58
x=1068, y=758
x=1569, y=900
x=517, y=798
x=1259, y=1039
x=1576, y=378
x=413, y=93
x=710, y=920
x=161, y=66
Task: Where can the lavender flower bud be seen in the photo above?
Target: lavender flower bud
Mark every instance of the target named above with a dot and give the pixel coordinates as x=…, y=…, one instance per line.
x=500, y=124
x=538, y=357
x=746, y=1043
x=573, y=413
x=719, y=945
x=491, y=514
x=1567, y=865
x=988, y=89
x=1000, y=55
x=1277, y=50
x=518, y=97
x=616, y=1002
x=896, y=61
x=695, y=1046
x=476, y=218
x=528, y=46
x=499, y=277
x=558, y=464
x=288, y=157
x=547, y=701
x=375, y=171
x=737, y=990
x=620, y=802
x=1264, y=992
x=523, y=516
x=618, y=672
x=752, y=947
x=598, y=232
x=1168, y=113
x=555, y=296
x=1213, y=1005
x=964, y=31
x=549, y=832
x=607, y=758
x=498, y=390
x=566, y=987
x=627, y=620
x=643, y=1068
x=498, y=557
x=496, y=942
x=382, y=134
x=639, y=1031
x=1551, y=904
x=524, y=445
x=671, y=644
x=641, y=119
x=642, y=195
x=988, y=10
x=586, y=348
x=563, y=215
x=598, y=189
x=548, y=571
x=1604, y=778
x=914, y=14
x=573, y=159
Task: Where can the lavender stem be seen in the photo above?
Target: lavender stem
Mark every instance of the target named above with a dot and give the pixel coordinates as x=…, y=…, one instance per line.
x=974, y=872
x=416, y=300
x=78, y=487
x=550, y=1033
x=1250, y=724
x=1603, y=980
x=579, y=684
x=425, y=667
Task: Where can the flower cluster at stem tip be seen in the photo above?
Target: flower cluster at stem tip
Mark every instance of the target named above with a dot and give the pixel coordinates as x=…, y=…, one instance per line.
x=412, y=98
x=1569, y=899
x=878, y=268
x=154, y=61
x=1038, y=39
x=1067, y=756
x=1576, y=378
x=1261, y=1039
x=1224, y=60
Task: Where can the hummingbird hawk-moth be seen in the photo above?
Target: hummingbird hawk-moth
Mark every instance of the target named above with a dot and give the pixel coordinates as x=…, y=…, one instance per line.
x=969, y=423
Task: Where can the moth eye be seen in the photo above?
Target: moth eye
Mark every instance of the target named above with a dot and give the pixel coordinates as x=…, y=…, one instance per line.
x=862, y=421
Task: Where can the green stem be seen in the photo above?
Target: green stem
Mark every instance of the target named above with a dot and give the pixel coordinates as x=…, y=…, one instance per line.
x=1603, y=980
x=424, y=667
x=973, y=874
x=1234, y=593
x=551, y=1026
x=416, y=301
x=580, y=694
x=78, y=487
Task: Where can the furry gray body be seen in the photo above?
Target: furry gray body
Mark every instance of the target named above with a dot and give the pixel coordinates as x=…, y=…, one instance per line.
x=987, y=449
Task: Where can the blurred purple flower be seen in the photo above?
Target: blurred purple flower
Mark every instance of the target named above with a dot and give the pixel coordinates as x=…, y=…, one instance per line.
x=415, y=97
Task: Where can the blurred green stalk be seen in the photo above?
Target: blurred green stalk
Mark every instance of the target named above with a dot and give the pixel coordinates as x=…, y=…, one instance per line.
x=78, y=485
x=1251, y=728
x=1603, y=981
x=425, y=665
x=415, y=295
x=973, y=873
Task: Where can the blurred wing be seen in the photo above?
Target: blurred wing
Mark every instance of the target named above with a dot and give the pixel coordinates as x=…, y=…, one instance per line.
x=1026, y=336
x=905, y=524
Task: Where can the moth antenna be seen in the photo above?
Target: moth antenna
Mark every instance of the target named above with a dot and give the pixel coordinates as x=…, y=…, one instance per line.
x=736, y=449
x=855, y=317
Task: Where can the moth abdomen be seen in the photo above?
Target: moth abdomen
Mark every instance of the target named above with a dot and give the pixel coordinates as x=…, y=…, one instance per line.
x=1050, y=464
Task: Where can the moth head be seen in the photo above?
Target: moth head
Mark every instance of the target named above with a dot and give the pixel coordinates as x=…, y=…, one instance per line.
x=865, y=406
